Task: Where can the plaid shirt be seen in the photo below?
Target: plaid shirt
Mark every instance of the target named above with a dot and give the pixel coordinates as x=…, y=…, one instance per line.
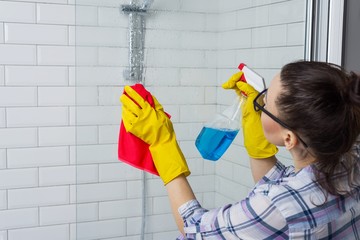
x=283, y=205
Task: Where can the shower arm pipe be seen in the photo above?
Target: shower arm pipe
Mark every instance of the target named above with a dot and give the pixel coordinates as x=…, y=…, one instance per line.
x=136, y=39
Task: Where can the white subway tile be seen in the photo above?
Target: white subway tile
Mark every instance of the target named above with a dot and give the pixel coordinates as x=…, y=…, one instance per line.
x=72, y=75
x=37, y=197
x=72, y=35
x=57, y=96
x=161, y=205
x=86, y=96
x=184, y=58
x=198, y=40
x=57, y=232
x=93, y=76
x=198, y=77
x=166, y=235
x=56, y=55
x=18, y=96
x=43, y=1
x=134, y=189
x=120, y=209
x=97, y=154
x=86, y=15
x=36, y=75
x=204, y=183
x=18, y=137
x=2, y=158
x=225, y=169
x=101, y=36
x=242, y=175
x=72, y=115
x=36, y=34
x=73, y=194
x=102, y=3
x=202, y=6
x=109, y=134
x=118, y=172
x=57, y=215
x=110, y=95
x=232, y=5
x=296, y=34
x=180, y=96
x=17, y=54
x=37, y=157
x=18, y=178
x=287, y=12
x=37, y=116
x=87, y=212
x=55, y=14
x=165, y=6
x=109, y=16
x=197, y=113
x=87, y=56
x=19, y=218
x=98, y=115
x=113, y=56
x=166, y=220
x=61, y=175
x=101, y=229
x=104, y=192
x=57, y=136
x=3, y=235
x=162, y=76
x=283, y=55
x=86, y=135
x=171, y=20
x=155, y=187
x=224, y=21
x=235, y=39
x=87, y=173
x=210, y=95
x=158, y=38
x=2, y=69
x=260, y=2
x=17, y=12
x=3, y=200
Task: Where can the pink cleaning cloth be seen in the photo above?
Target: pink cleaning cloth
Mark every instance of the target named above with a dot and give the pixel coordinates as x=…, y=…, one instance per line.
x=131, y=149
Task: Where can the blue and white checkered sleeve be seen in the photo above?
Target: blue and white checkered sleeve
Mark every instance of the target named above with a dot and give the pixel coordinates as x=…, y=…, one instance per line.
x=252, y=218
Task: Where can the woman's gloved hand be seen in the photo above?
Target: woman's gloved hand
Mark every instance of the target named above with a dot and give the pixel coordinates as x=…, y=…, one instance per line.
x=154, y=127
x=255, y=142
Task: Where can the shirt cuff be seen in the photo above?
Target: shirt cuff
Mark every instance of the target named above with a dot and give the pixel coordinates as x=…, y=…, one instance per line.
x=187, y=209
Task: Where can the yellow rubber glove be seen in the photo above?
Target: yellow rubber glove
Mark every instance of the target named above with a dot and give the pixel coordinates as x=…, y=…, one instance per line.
x=256, y=144
x=154, y=127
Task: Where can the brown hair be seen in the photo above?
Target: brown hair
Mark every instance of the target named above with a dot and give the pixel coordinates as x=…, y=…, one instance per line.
x=321, y=103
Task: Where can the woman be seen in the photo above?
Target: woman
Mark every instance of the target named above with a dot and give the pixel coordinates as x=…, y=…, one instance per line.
x=310, y=108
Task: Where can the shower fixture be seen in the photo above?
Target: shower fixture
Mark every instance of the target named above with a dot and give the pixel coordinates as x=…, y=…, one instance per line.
x=137, y=15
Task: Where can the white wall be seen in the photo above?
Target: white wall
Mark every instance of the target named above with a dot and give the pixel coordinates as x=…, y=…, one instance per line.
x=61, y=66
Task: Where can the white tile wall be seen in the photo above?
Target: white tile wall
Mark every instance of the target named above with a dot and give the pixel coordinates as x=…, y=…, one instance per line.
x=61, y=75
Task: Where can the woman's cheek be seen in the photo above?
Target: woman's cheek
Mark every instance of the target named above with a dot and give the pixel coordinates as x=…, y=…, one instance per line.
x=271, y=130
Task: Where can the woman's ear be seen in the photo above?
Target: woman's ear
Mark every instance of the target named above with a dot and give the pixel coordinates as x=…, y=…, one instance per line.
x=290, y=139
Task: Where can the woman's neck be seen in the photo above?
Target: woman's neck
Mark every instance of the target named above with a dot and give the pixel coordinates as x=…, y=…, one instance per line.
x=301, y=158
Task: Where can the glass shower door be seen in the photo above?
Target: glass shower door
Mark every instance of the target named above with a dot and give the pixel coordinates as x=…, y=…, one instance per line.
x=190, y=48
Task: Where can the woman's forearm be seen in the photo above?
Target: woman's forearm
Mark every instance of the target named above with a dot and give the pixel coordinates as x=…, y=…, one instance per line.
x=259, y=167
x=179, y=192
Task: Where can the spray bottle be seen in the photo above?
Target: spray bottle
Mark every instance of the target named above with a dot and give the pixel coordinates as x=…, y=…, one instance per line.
x=217, y=134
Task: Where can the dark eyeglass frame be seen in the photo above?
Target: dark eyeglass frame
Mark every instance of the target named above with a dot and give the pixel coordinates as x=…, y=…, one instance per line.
x=258, y=107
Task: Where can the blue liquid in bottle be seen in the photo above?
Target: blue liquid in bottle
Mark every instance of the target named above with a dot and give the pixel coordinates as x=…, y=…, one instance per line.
x=212, y=143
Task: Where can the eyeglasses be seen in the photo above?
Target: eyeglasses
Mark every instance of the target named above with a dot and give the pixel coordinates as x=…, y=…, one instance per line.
x=259, y=105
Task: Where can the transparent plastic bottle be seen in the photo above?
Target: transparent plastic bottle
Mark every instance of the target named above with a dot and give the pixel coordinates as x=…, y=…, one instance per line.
x=217, y=135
